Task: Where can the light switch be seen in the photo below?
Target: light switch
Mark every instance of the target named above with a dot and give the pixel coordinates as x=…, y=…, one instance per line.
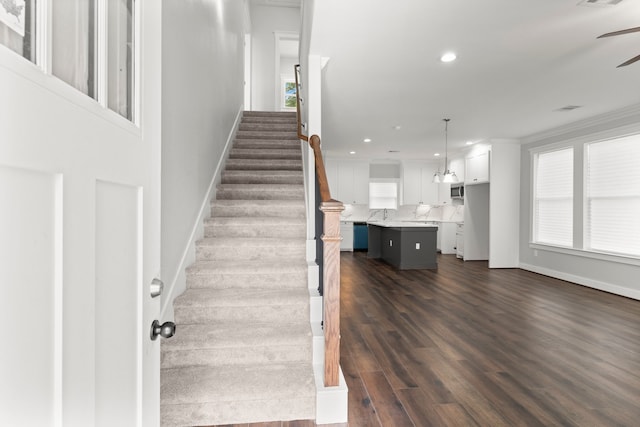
x=417, y=245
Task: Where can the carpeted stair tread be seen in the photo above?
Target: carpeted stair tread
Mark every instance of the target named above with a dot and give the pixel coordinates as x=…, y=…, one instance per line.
x=286, y=266
x=260, y=191
x=281, y=126
x=261, y=164
x=197, y=384
x=264, y=153
x=221, y=274
x=248, y=134
x=271, y=114
x=262, y=177
x=203, y=305
x=242, y=297
x=285, y=144
x=281, y=208
x=237, y=394
x=232, y=334
x=255, y=227
x=231, y=343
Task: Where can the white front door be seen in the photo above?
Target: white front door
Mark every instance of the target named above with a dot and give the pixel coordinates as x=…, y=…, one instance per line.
x=79, y=246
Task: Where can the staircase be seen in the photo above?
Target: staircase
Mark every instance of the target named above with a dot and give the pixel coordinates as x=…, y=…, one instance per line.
x=242, y=352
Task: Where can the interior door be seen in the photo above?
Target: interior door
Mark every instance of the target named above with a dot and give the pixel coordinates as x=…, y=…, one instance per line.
x=79, y=247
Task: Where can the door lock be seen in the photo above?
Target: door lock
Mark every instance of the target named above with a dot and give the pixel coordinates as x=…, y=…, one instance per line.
x=156, y=288
x=166, y=330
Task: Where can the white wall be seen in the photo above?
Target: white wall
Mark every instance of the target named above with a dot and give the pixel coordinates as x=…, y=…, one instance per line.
x=266, y=20
x=612, y=274
x=202, y=83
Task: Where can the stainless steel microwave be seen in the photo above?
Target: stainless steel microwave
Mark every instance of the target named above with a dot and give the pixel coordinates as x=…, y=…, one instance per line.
x=457, y=191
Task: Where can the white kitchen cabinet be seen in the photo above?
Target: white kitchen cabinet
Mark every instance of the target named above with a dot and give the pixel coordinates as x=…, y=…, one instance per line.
x=477, y=169
x=346, y=232
x=353, y=182
x=447, y=237
x=417, y=185
x=460, y=240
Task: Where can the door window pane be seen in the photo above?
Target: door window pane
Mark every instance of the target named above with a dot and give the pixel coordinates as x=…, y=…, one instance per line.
x=120, y=46
x=73, y=43
x=17, y=27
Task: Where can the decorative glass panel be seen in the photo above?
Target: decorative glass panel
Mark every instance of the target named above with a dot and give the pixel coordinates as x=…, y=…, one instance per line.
x=120, y=47
x=17, y=27
x=73, y=43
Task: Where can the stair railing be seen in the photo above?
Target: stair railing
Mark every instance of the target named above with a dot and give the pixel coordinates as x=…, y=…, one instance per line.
x=330, y=262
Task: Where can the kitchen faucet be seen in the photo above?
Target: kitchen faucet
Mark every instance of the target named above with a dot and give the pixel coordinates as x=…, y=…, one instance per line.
x=384, y=215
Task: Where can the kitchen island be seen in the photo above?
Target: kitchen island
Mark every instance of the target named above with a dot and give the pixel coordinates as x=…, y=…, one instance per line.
x=405, y=245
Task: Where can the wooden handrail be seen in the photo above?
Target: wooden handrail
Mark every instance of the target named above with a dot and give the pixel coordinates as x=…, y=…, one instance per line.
x=296, y=71
x=331, y=238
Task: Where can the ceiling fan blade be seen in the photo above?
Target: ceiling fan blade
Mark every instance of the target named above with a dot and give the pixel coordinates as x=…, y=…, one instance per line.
x=631, y=61
x=617, y=33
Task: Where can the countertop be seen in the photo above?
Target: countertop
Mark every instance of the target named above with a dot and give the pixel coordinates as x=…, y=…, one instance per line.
x=403, y=224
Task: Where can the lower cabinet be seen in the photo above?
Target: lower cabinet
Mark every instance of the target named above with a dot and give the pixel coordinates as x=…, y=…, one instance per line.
x=346, y=232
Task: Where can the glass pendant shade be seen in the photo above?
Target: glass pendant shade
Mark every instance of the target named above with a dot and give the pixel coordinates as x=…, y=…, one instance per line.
x=436, y=178
x=450, y=177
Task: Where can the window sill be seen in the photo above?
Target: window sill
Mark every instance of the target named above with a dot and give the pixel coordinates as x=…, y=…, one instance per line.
x=621, y=259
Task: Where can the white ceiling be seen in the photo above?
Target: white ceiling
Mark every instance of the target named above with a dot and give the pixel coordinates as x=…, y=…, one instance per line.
x=518, y=63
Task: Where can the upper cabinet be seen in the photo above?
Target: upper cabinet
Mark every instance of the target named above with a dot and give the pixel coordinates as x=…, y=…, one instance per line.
x=417, y=185
x=348, y=180
x=477, y=168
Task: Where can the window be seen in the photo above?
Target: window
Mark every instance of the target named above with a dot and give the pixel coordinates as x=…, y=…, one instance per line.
x=553, y=197
x=383, y=195
x=120, y=46
x=612, y=196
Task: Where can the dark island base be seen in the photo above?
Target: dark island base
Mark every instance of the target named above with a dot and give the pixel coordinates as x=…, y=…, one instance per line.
x=406, y=248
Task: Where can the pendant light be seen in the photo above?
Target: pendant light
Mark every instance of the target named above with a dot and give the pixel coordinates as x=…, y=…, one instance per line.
x=448, y=175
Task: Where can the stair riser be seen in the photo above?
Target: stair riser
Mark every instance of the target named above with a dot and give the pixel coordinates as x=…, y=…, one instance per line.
x=194, y=315
x=294, y=352
x=284, y=120
x=248, y=231
x=294, y=280
x=248, y=253
x=254, y=411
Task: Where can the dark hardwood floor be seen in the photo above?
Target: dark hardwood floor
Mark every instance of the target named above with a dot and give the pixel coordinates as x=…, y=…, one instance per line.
x=464, y=345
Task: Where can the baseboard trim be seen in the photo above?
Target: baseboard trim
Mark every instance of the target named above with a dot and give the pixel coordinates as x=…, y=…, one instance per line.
x=583, y=281
x=177, y=285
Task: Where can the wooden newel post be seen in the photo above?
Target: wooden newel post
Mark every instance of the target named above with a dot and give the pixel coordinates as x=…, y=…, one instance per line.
x=331, y=240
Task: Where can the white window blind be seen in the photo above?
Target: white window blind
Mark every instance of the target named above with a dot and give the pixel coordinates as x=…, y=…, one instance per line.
x=383, y=195
x=553, y=198
x=612, y=196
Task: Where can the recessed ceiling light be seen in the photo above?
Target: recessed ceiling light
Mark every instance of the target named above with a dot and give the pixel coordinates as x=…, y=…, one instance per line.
x=448, y=57
x=469, y=142
x=352, y=152
x=397, y=127
x=367, y=140
x=437, y=154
